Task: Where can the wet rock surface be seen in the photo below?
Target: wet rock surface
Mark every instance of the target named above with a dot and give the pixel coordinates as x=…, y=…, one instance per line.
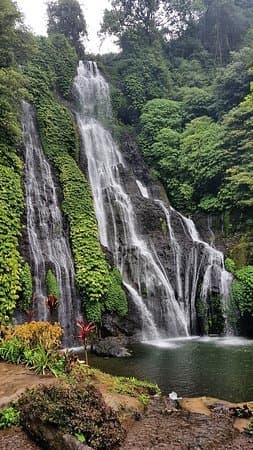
x=111, y=346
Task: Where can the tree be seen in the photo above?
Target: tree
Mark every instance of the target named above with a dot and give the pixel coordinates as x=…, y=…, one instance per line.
x=158, y=114
x=203, y=158
x=196, y=102
x=181, y=14
x=16, y=43
x=133, y=17
x=232, y=82
x=222, y=27
x=237, y=190
x=146, y=19
x=161, y=123
x=138, y=76
x=66, y=17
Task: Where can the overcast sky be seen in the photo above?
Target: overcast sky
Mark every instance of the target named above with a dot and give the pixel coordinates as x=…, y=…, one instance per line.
x=36, y=18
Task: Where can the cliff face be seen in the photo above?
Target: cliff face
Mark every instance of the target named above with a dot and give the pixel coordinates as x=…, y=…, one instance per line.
x=186, y=269
x=175, y=281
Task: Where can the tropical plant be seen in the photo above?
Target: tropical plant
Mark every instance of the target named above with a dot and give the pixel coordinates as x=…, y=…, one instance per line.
x=9, y=416
x=41, y=361
x=11, y=349
x=52, y=285
x=85, y=330
x=37, y=333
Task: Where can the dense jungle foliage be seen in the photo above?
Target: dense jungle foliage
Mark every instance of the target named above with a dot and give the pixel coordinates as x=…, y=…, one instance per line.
x=16, y=44
x=48, y=78
x=181, y=84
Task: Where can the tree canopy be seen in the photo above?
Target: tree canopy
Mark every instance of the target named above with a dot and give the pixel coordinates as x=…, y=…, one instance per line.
x=147, y=19
x=66, y=17
x=16, y=43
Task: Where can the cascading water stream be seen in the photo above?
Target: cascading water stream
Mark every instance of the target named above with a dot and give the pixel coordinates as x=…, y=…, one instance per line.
x=115, y=213
x=48, y=244
x=165, y=310
x=211, y=266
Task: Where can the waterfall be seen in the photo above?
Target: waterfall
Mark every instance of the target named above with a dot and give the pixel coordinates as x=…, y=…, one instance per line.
x=48, y=244
x=165, y=303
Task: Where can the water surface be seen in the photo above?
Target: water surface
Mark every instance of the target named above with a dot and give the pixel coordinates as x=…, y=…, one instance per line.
x=216, y=367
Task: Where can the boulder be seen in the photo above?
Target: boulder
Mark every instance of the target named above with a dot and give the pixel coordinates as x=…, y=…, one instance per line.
x=111, y=346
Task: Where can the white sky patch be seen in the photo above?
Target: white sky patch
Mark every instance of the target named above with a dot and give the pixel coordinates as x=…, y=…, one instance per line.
x=36, y=18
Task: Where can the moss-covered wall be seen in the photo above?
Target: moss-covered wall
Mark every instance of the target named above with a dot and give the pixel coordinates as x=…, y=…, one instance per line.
x=14, y=273
x=51, y=73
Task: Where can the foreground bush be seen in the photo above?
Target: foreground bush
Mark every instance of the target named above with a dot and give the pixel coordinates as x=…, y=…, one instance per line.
x=9, y=416
x=35, y=344
x=34, y=333
x=73, y=409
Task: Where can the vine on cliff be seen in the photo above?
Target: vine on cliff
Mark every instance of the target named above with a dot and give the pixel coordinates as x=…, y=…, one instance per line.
x=12, y=87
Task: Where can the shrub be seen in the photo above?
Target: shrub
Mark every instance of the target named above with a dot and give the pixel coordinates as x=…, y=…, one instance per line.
x=230, y=265
x=8, y=417
x=42, y=360
x=73, y=409
x=52, y=285
x=26, y=287
x=242, y=289
x=11, y=350
x=37, y=333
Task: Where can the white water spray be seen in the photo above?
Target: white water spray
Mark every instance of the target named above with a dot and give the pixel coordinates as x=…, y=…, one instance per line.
x=48, y=244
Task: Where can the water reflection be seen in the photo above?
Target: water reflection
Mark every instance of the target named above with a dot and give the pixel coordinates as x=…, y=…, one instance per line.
x=217, y=367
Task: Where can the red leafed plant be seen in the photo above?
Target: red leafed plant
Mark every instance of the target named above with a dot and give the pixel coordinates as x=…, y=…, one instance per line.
x=51, y=303
x=86, y=328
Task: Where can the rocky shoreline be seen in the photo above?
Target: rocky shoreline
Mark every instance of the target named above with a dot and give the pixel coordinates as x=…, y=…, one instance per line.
x=188, y=423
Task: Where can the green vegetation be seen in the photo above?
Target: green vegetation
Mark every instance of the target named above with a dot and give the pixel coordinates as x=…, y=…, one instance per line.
x=72, y=409
x=9, y=416
x=203, y=159
x=250, y=427
x=52, y=285
x=95, y=279
x=16, y=46
x=26, y=287
x=35, y=344
x=16, y=43
x=243, y=290
x=66, y=17
x=10, y=225
x=129, y=386
x=132, y=386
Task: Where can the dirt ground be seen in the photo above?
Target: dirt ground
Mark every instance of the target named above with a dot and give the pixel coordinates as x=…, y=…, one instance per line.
x=163, y=427
x=16, y=439
x=199, y=424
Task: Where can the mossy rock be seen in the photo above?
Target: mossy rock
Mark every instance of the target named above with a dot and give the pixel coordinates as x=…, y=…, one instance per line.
x=240, y=253
x=74, y=409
